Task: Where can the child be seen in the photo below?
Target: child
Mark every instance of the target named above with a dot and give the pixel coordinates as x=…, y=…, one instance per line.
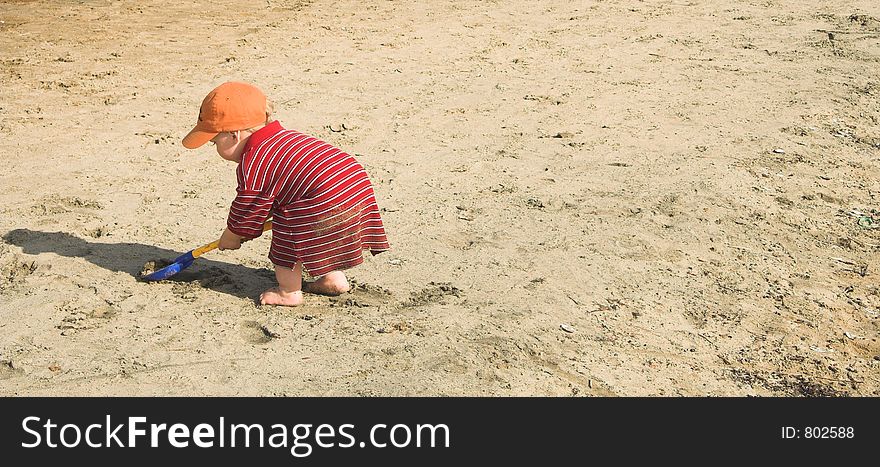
x=320, y=199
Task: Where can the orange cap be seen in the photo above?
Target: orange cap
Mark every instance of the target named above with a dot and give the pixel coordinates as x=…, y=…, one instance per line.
x=229, y=107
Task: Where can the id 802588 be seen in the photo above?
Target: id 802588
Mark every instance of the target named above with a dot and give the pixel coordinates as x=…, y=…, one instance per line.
x=818, y=432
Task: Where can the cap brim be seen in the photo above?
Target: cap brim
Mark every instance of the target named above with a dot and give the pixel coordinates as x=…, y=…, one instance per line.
x=197, y=137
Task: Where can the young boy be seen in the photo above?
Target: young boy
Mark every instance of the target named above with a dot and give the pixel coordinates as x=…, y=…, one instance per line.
x=319, y=198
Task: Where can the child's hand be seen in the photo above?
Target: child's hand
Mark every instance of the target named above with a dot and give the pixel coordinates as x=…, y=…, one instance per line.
x=229, y=241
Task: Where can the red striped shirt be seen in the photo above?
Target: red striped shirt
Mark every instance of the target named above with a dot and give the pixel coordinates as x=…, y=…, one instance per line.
x=320, y=199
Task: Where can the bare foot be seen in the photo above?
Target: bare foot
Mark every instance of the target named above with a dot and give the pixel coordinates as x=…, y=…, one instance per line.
x=275, y=296
x=333, y=283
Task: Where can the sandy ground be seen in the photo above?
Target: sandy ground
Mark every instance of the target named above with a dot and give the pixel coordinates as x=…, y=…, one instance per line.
x=680, y=184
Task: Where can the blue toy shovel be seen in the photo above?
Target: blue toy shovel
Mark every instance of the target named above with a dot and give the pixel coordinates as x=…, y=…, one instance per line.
x=185, y=260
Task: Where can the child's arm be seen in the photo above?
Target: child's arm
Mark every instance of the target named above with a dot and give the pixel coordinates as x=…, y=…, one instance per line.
x=229, y=240
x=250, y=209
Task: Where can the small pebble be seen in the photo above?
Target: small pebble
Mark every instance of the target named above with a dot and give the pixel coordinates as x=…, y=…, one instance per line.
x=778, y=151
x=566, y=328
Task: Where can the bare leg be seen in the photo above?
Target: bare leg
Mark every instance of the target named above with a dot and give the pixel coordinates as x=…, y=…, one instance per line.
x=289, y=290
x=333, y=283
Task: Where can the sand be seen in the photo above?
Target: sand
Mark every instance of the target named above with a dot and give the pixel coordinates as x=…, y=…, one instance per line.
x=617, y=198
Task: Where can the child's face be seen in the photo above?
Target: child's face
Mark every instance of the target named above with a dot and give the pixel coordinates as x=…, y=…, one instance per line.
x=229, y=145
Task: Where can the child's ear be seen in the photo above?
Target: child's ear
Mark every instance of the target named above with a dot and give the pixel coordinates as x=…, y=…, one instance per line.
x=270, y=109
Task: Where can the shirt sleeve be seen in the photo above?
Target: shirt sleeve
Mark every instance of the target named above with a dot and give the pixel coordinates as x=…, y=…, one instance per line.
x=252, y=205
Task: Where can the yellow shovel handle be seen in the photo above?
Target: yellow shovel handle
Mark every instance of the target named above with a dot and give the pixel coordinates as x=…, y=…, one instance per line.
x=205, y=248
x=213, y=245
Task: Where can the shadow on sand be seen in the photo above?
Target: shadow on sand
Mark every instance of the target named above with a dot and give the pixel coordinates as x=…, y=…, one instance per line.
x=233, y=279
